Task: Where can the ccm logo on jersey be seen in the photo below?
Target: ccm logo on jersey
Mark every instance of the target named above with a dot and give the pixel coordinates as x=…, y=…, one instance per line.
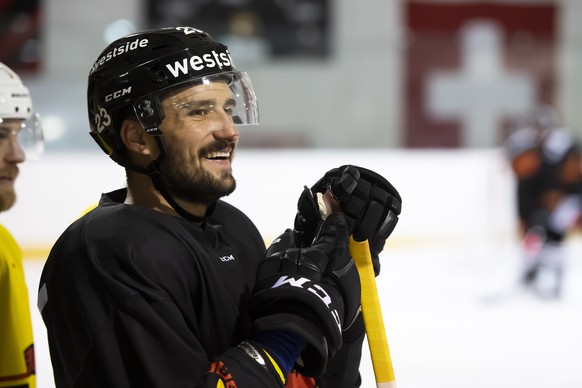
x=227, y=258
x=315, y=289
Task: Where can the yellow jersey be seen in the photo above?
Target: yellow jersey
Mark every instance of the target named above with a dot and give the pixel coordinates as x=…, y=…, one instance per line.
x=17, y=363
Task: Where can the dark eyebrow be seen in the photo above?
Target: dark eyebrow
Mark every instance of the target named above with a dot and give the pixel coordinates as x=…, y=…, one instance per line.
x=198, y=103
x=202, y=102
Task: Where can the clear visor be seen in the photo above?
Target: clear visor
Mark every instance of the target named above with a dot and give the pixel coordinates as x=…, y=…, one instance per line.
x=212, y=103
x=29, y=136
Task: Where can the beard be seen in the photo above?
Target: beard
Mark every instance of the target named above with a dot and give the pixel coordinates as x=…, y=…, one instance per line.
x=194, y=184
x=7, y=199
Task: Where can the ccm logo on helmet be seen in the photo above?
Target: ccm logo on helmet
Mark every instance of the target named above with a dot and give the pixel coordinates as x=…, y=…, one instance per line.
x=197, y=63
x=117, y=94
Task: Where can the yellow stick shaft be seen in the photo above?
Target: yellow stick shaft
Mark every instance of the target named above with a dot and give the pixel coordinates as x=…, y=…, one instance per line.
x=372, y=311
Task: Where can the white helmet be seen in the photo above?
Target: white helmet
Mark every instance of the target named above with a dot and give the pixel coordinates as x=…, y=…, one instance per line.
x=15, y=101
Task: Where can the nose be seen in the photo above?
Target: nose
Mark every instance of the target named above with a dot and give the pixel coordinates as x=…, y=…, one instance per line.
x=14, y=152
x=229, y=133
x=228, y=130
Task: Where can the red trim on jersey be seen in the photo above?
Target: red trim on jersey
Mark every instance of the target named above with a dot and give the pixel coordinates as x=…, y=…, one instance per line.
x=221, y=370
x=295, y=380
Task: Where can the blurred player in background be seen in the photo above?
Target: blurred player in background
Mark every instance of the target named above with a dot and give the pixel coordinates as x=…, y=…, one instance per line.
x=546, y=161
x=166, y=285
x=20, y=131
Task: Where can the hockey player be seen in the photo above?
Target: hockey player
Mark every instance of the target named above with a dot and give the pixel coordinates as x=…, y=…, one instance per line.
x=166, y=285
x=547, y=164
x=18, y=127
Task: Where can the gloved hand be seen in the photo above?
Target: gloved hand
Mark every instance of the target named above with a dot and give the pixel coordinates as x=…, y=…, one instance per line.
x=312, y=292
x=370, y=203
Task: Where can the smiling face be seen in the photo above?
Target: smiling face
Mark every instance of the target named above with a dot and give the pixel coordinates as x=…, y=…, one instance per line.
x=10, y=155
x=200, y=138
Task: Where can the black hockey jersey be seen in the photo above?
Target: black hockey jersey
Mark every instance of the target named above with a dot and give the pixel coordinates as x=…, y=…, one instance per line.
x=132, y=297
x=125, y=280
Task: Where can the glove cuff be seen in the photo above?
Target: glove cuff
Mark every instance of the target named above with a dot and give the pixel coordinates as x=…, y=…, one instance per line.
x=313, y=359
x=303, y=297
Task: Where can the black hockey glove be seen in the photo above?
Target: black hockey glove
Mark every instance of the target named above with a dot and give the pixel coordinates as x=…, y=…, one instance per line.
x=370, y=203
x=312, y=292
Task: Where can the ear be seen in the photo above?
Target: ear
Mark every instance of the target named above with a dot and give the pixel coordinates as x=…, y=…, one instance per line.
x=136, y=140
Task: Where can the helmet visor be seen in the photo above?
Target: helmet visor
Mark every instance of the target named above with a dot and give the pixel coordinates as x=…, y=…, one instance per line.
x=27, y=133
x=211, y=102
x=31, y=137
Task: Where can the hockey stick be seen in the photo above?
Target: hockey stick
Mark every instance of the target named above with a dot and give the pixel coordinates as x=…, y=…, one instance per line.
x=372, y=311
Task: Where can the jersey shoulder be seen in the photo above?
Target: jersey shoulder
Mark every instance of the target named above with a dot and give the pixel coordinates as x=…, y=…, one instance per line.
x=231, y=217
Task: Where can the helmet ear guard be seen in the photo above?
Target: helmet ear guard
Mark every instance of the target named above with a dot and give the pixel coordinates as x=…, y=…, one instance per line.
x=150, y=114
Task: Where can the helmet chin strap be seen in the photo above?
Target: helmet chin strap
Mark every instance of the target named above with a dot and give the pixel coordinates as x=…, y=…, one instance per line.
x=153, y=171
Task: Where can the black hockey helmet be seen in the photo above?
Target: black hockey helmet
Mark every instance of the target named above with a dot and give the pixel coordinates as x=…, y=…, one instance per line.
x=133, y=73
